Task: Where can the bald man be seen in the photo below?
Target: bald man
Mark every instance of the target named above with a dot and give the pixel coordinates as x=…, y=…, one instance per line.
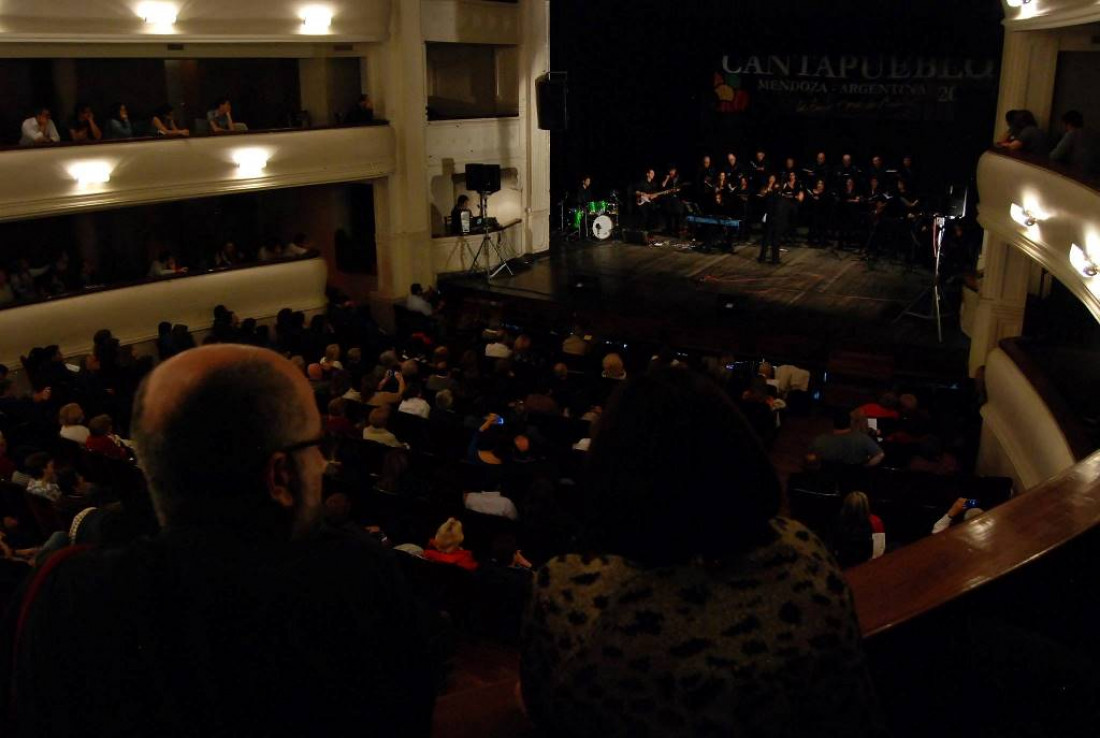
x=244, y=615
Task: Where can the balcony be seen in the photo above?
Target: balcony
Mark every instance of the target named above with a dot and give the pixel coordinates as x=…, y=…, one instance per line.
x=195, y=20
x=1047, y=212
x=72, y=178
x=1033, y=15
x=470, y=21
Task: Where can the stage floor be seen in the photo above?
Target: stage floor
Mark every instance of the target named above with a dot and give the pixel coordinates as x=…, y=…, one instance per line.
x=831, y=296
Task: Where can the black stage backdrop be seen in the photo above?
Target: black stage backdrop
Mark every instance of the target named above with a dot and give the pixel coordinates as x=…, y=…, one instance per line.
x=652, y=83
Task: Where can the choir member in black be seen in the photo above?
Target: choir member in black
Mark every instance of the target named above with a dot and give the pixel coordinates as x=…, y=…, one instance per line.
x=462, y=205
x=719, y=203
x=774, y=224
x=850, y=215
x=847, y=170
x=793, y=195
x=880, y=220
x=789, y=168
x=819, y=171
x=819, y=201
x=647, y=206
x=671, y=203
x=733, y=168
x=878, y=171
x=909, y=210
x=906, y=172
x=704, y=180
x=760, y=168
x=738, y=202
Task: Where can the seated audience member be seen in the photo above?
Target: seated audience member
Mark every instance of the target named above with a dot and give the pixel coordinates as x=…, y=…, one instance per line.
x=387, y=391
x=336, y=422
x=577, y=343
x=330, y=362
x=362, y=113
x=960, y=511
x=7, y=294
x=71, y=417
x=930, y=458
x=228, y=256
x=376, y=431
x=220, y=117
x=83, y=126
x=1079, y=147
x=241, y=539
x=300, y=245
x=102, y=440
x=689, y=579
x=541, y=400
x=416, y=303
x=440, y=379
x=414, y=402
x=490, y=503
x=1024, y=134
x=613, y=367
x=43, y=476
x=118, y=125
x=271, y=249
x=885, y=409
x=446, y=547
x=165, y=124
x=443, y=413
x=39, y=130
x=165, y=265
x=497, y=347
x=858, y=535
x=846, y=444
x=7, y=466
x=489, y=445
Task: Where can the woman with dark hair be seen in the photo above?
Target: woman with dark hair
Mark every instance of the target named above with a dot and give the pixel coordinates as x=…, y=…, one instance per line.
x=694, y=610
x=83, y=126
x=858, y=536
x=118, y=124
x=165, y=124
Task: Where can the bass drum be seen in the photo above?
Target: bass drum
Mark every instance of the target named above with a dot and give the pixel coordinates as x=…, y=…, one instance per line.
x=602, y=227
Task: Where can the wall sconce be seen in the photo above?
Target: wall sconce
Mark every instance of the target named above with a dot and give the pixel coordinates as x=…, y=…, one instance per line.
x=1083, y=262
x=88, y=173
x=315, y=19
x=158, y=13
x=1027, y=217
x=250, y=162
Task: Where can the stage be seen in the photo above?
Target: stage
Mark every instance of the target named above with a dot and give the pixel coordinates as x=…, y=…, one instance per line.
x=828, y=299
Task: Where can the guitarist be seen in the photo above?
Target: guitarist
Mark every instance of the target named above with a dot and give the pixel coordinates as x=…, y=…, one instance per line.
x=647, y=206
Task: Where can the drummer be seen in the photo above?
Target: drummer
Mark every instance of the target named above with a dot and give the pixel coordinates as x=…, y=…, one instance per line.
x=584, y=193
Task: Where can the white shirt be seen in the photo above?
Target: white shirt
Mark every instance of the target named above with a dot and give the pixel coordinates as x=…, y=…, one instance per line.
x=498, y=350
x=76, y=433
x=33, y=133
x=49, y=490
x=491, y=503
x=383, y=436
x=417, y=304
x=415, y=406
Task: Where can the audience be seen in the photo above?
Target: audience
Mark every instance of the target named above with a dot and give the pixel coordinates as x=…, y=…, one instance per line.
x=492, y=502
x=858, y=535
x=446, y=547
x=39, y=130
x=83, y=126
x=43, y=476
x=687, y=570
x=102, y=440
x=220, y=117
x=376, y=430
x=165, y=124
x=1079, y=147
x=960, y=511
x=362, y=113
x=414, y=402
x=1024, y=134
x=847, y=444
x=118, y=124
x=73, y=429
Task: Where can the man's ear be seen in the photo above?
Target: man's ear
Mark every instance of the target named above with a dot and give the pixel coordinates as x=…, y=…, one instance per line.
x=277, y=477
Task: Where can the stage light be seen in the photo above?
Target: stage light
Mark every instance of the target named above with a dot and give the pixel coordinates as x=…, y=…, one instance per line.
x=315, y=19
x=250, y=162
x=1017, y=3
x=1028, y=216
x=158, y=14
x=88, y=173
x=1083, y=262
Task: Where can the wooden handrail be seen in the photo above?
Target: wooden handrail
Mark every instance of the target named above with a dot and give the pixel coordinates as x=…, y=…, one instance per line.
x=932, y=572
x=1052, y=166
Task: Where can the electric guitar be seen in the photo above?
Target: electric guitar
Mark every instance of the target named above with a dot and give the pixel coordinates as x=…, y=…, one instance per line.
x=647, y=198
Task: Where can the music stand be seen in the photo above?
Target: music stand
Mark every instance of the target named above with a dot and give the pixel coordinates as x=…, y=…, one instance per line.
x=939, y=221
x=487, y=241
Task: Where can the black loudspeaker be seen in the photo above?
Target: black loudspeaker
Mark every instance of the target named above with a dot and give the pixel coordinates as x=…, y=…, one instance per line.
x=483, y=177
x=551, y=92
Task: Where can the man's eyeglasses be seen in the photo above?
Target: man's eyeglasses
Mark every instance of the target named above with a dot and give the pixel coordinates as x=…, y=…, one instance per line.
x=301, y=445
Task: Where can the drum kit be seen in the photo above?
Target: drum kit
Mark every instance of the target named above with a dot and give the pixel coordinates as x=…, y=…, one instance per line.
x=598, y=219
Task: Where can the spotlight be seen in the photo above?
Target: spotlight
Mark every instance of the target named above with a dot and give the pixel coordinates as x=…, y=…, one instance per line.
x=1083, y=262
x=87, y=173
x=250, y=162
x=157, y=13
x=1027, y=217
x=315, y=19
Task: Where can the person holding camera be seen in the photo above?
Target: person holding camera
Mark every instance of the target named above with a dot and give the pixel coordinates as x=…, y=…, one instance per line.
x=962, y=510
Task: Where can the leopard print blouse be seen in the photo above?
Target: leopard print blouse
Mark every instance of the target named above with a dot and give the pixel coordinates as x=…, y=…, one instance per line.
x=765, y=644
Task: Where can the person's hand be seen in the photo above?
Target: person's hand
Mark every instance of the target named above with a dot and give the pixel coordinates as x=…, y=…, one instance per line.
x=519, y=560
x=43, y=395
x=958, y=508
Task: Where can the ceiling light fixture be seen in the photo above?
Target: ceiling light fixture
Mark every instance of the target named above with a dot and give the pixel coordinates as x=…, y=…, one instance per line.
x=1027, y=216
x=1083, y=262
x=158, y=13
x=315, y=19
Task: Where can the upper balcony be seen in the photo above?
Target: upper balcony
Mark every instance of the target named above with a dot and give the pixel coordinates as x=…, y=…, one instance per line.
x=70, y=178
x=194, y=21
x=470, y=21
x=1031, y=15
x=1048, y=212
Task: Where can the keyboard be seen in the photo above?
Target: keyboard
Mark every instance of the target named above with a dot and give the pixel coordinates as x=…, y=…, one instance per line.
x=715, y=220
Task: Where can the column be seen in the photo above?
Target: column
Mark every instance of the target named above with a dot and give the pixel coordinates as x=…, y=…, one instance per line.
x=396, y=78
x=1003, y=298
x=1028, y=66
x=534, y=61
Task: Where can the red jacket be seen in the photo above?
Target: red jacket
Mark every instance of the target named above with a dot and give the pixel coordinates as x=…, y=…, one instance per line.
x=461, y=557
x=107, y=447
